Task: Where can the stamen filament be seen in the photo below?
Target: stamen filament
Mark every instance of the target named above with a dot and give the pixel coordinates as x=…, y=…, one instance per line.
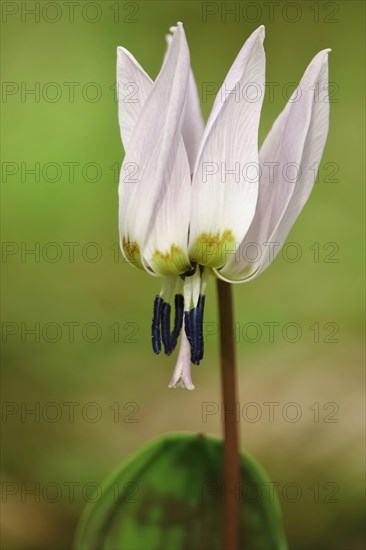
x=168, y=288
x=196, y=285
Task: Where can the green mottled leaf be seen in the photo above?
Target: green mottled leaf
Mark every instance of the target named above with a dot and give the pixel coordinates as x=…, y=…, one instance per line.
x=170, y=496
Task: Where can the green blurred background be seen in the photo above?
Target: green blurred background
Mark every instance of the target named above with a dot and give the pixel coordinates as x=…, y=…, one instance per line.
x=106, y=372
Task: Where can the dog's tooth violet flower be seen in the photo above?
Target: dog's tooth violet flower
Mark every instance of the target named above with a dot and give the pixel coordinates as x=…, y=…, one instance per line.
x=193, y=198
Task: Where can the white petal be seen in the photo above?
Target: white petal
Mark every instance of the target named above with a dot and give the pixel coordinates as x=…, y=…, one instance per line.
x=166, y=249
x=133, y=87
x=193, y=125
x=223, y=202
x=155, y=200
x=295, y=143
x=182, y=372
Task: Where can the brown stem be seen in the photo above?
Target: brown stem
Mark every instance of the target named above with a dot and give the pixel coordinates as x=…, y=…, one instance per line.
x=231, y=437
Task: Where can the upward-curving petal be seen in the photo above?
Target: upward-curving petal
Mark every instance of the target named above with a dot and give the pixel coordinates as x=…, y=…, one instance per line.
x=155, y=185
x=289, y=159
x=225, y=182
x=193, y=125
x=133, y=88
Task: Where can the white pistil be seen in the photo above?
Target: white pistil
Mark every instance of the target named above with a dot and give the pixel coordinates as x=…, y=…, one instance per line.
x=182, y=372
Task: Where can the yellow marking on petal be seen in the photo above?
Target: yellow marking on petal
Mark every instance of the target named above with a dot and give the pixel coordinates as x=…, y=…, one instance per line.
x=213, y=249
x=132, y=252
x=173, y=262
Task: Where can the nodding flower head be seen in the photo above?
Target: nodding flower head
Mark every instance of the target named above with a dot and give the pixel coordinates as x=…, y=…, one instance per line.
x=194, y=197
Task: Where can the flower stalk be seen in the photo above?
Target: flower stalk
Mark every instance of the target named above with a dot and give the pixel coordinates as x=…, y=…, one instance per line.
x=231, y=489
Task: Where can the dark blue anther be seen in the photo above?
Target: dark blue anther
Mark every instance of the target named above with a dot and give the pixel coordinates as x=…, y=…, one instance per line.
x=201, y=309
x=196, y=335
x=155, y=327
x=187, y=326
x=178, y=320
x=193, y=321
x=165, y=328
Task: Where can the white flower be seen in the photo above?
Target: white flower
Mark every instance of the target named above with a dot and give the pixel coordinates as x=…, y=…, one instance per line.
x=194, y=198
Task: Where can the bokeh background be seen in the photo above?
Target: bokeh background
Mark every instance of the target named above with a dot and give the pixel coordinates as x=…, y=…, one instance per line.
x=87, y=371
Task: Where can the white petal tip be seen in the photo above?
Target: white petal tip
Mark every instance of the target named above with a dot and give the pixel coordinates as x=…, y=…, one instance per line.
x=261, y=31
x=320, y=58
x=123, y=53
x=175, y=29
x=319, y=61
x=325, y=52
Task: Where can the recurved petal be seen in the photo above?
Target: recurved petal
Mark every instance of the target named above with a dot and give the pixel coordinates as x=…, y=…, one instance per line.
x=225, y=182
x=154, y=185
x=133, y=87
x=289, y=159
